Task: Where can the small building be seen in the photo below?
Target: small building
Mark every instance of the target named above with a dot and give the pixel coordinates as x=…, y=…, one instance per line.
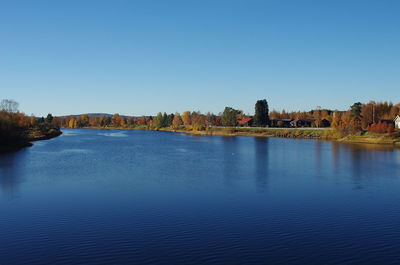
x=281, y=123
x=246, y=122
x=397, y=122
x=301, y=123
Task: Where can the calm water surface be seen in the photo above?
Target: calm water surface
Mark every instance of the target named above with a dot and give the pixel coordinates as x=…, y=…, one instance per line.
x=142, y=197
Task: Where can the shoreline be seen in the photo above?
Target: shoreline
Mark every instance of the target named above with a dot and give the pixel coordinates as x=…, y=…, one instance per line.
x=294, y=133
x=32, y=135
x=381, y=140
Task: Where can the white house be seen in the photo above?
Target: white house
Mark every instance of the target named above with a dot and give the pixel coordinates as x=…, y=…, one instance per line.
x=397, y=122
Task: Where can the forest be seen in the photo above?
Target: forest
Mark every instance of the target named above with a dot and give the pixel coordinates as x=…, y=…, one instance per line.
x=373, y=116
x=18, y=129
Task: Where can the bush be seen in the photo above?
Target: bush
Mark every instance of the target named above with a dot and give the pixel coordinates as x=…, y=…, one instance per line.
x=381, y=127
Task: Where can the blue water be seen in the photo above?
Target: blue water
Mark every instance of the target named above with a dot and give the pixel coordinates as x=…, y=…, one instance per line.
x=144, y=197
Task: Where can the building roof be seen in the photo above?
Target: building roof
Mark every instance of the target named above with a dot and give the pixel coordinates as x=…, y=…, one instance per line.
x=284, y=120
x=245, y=120
x=305, y=120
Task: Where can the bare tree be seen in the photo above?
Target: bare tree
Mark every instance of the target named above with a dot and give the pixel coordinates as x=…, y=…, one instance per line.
x=9, y=105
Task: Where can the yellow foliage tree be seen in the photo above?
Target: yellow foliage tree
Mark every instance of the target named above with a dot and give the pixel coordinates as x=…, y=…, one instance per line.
x=177, y=121
x=186, y=118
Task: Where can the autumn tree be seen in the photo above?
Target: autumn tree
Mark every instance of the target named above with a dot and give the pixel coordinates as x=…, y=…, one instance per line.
x=199, y=121
x=284, y=115
x=94, y=121
x=381, y=127
x=274, y=115
x=83, y=121
x=72, y=122
x=367, y=114
x=186, y=118
x=122, y=121
x=130, y=121
x=32, y=120
x=116, y=120
x=336, y=120
x=177, y=121
x=141, y=120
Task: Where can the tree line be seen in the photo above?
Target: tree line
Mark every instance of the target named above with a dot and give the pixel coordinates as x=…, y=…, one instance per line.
x=15, y=125
x=372, y=116
x=189, y=119
x=376, y=117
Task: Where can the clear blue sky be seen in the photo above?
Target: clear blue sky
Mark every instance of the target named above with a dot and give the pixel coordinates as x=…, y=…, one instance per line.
x=141, y=57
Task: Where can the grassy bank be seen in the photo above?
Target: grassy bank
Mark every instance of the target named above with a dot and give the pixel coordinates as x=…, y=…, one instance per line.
x=301, y=133
x=256, y=132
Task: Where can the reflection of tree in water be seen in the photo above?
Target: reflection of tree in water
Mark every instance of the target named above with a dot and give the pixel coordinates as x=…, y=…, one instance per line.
x=366, y=161
x=245, y=158
x=261, y=161
x=10, y=171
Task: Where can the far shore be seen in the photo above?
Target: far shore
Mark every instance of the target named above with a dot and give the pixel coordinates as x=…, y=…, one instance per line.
x=298, y=133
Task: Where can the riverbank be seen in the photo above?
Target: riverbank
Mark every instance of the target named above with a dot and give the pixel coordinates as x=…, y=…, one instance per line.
x=300, y=133
x=38, y=134
x=24, y=138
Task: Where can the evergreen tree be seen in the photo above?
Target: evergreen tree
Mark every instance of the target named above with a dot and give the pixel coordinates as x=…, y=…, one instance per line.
x=164, y=121
x=49, y=118
x=356, y=110
x=158, y=121
x=170, y=118
x=261, y=117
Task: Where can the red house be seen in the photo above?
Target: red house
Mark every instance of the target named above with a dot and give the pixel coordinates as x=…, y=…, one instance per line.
x=245, y=122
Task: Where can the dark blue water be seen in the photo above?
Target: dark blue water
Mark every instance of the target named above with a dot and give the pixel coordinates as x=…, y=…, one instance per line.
x=142, y=197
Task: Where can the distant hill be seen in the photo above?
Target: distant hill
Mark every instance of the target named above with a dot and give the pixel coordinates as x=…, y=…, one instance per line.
x=96, y=115
x=89, y=114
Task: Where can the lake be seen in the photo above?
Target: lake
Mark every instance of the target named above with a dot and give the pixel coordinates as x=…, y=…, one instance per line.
x=146, y=197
